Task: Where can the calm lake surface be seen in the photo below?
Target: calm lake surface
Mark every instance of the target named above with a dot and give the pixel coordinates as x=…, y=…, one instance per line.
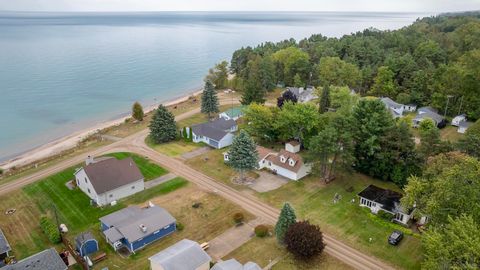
x=63, y=72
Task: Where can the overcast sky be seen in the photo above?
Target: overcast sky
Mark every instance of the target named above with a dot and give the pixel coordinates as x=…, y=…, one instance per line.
x=241, y=5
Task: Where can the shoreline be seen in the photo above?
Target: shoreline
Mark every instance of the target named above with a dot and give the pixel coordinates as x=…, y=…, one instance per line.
x=56, y=146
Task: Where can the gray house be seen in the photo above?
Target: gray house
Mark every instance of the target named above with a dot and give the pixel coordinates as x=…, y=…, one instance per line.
x=428, y=113
x=47, y=259
x=218, y=133
x=4, y=247
x=184, y=255
x=233, y=264
x=134, y=227
x=303, y=95
x=106, y=180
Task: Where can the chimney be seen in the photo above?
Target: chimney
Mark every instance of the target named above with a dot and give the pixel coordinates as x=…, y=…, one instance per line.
x=89, y=160
x=143, y=228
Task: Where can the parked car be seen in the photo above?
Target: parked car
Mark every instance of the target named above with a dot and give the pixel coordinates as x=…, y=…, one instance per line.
x=395, y=237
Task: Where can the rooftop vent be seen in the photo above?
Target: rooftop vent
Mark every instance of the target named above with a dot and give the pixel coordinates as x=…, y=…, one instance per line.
x=143, y=228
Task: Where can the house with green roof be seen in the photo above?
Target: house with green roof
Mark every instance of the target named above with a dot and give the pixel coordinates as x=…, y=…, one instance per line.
x=232, y=113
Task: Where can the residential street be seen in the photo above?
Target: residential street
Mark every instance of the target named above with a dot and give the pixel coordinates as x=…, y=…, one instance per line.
x=135, y=143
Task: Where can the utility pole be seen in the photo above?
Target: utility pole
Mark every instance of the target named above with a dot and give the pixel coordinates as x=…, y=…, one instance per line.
x=446, y=106
x=461, y=104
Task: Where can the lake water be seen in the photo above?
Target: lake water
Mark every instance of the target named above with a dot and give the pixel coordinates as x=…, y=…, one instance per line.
x=62, y=72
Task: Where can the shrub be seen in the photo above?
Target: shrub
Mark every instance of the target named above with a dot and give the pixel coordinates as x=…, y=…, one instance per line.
x=50, y=230
x=238, y=217
x=304, y=240
x=261, y=230
x=1, y=171
x=180, y=226
x=385, y=215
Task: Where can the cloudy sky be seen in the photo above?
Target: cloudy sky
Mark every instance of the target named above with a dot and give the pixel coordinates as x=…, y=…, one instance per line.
x=241, y=5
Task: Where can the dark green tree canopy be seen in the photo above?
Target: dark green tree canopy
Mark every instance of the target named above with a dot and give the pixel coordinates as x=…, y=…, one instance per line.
x=285, y=220
x=209, y=99
x=163, y=126
x=137, y=111
x=243, y=155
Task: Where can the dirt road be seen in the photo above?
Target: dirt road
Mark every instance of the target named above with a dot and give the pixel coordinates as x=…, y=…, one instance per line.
x=135, y=143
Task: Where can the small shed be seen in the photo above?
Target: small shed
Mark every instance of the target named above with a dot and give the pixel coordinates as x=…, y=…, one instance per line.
x=463, y=126
x=86, y=244
x=458, y=119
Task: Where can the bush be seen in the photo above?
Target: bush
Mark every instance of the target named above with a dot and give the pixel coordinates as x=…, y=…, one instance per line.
x=50, y=230
x=385, y=215
x=261, y=230
x=1, y=171
x=238, y=217
x=304, y=240
x=180, y=226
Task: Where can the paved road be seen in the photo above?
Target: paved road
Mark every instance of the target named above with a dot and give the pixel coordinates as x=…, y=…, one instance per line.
x=135, y=143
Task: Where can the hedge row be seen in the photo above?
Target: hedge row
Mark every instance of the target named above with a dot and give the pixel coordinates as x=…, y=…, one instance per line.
x=50, y=230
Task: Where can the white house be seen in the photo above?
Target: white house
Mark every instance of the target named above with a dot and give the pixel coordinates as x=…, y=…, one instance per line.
x=457, y=119
x=286, y=163
x=396, y=109
x=218, y=133
x=463, y=126
x=109, y=179
x=410, y=107
x=376, y=199
x=185, y=254
x=303, y=95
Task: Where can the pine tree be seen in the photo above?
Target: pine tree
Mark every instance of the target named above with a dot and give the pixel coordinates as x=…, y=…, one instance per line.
x=209, y=99
x=243, y=155
x=137, y=111
x=325, y=99
x=163, y=127
x=287, y=217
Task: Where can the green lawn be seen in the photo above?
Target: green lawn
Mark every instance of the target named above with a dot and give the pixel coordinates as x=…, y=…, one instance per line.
x=346, y=220
x=149, y=169
x=173, y=149
x=449, y=133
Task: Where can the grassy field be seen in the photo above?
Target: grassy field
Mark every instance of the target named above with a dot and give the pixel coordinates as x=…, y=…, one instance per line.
x=212, y=164
x=175, y=148
x=264, y=250
x=449, y=133
x=346, y=220
x=149, y=169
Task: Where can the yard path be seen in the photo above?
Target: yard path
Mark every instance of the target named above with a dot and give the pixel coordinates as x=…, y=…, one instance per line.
x=136, y=143
x=157, y=181
x=232, y=239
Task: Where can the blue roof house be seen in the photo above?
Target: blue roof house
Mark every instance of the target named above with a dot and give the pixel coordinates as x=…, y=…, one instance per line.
x=134, y=228
x=86, y=244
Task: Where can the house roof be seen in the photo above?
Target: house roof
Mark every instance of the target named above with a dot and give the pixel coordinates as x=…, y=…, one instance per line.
x=302, y=93
x=112, y=173
x=264, y=152
x=464, y=124
x=216, y=129
x=4, y=245
x=233, y=264
x=128, y=220
x=84, y=237
x=47, y=259
x=184, y=255
x=428, y=114
x=293, y=143
x=388, y=198
x=275, y=159
x=459, y=117
x=390, y=103
x=234, y=112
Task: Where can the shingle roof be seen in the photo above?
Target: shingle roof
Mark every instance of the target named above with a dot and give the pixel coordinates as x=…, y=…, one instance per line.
x=47, y=259
x=428, y=112
x=288, y=155
x=184, y=255
x=112, y=173
x=128, y=220
x=233, y=264
x=264, y=152
x=83, y=237
x=216, y=129
x=390, y=103
x=4, y=245
x=388, y=198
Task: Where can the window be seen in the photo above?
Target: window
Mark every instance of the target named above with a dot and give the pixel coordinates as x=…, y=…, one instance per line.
x=78, y=182
x=291, y=162
x=156, y=232
x=111, y=195
x=133, y=187
x=166, y=227
x=88, y=190
x=86, y=180
x=282, y=159
x=399, y=216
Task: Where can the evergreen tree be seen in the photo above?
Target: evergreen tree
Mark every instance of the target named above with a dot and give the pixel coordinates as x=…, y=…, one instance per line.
x=325, y=99
x=243, y=155
x=163, y=127
x=287, y=217
x=209, y=99
x=137, y=111
x=286, y=96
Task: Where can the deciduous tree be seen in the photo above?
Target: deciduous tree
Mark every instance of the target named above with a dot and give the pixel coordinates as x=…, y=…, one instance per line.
x=137, y=111
x=384, y=84
x=297, y=121
x=286, y=96
x=304, y=240
x=334, y=71
x=470, y=143
x=261, y=121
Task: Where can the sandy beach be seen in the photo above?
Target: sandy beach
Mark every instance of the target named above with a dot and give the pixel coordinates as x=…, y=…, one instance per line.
x=59, y=145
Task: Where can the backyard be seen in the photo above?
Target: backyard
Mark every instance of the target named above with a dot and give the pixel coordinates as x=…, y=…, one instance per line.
x=175, y=148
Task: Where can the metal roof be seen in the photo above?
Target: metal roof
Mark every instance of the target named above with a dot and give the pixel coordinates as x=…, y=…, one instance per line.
x=4, y=245
x=184, y=255
x=47, y=259
x=112, y=173
x=128, y=220
x=233, y=264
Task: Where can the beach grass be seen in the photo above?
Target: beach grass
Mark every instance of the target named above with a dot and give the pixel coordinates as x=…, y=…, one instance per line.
x=149, y=169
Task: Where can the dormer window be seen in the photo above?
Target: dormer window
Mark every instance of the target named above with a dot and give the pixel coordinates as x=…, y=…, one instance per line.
x=283, y=159
x=291, y=162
